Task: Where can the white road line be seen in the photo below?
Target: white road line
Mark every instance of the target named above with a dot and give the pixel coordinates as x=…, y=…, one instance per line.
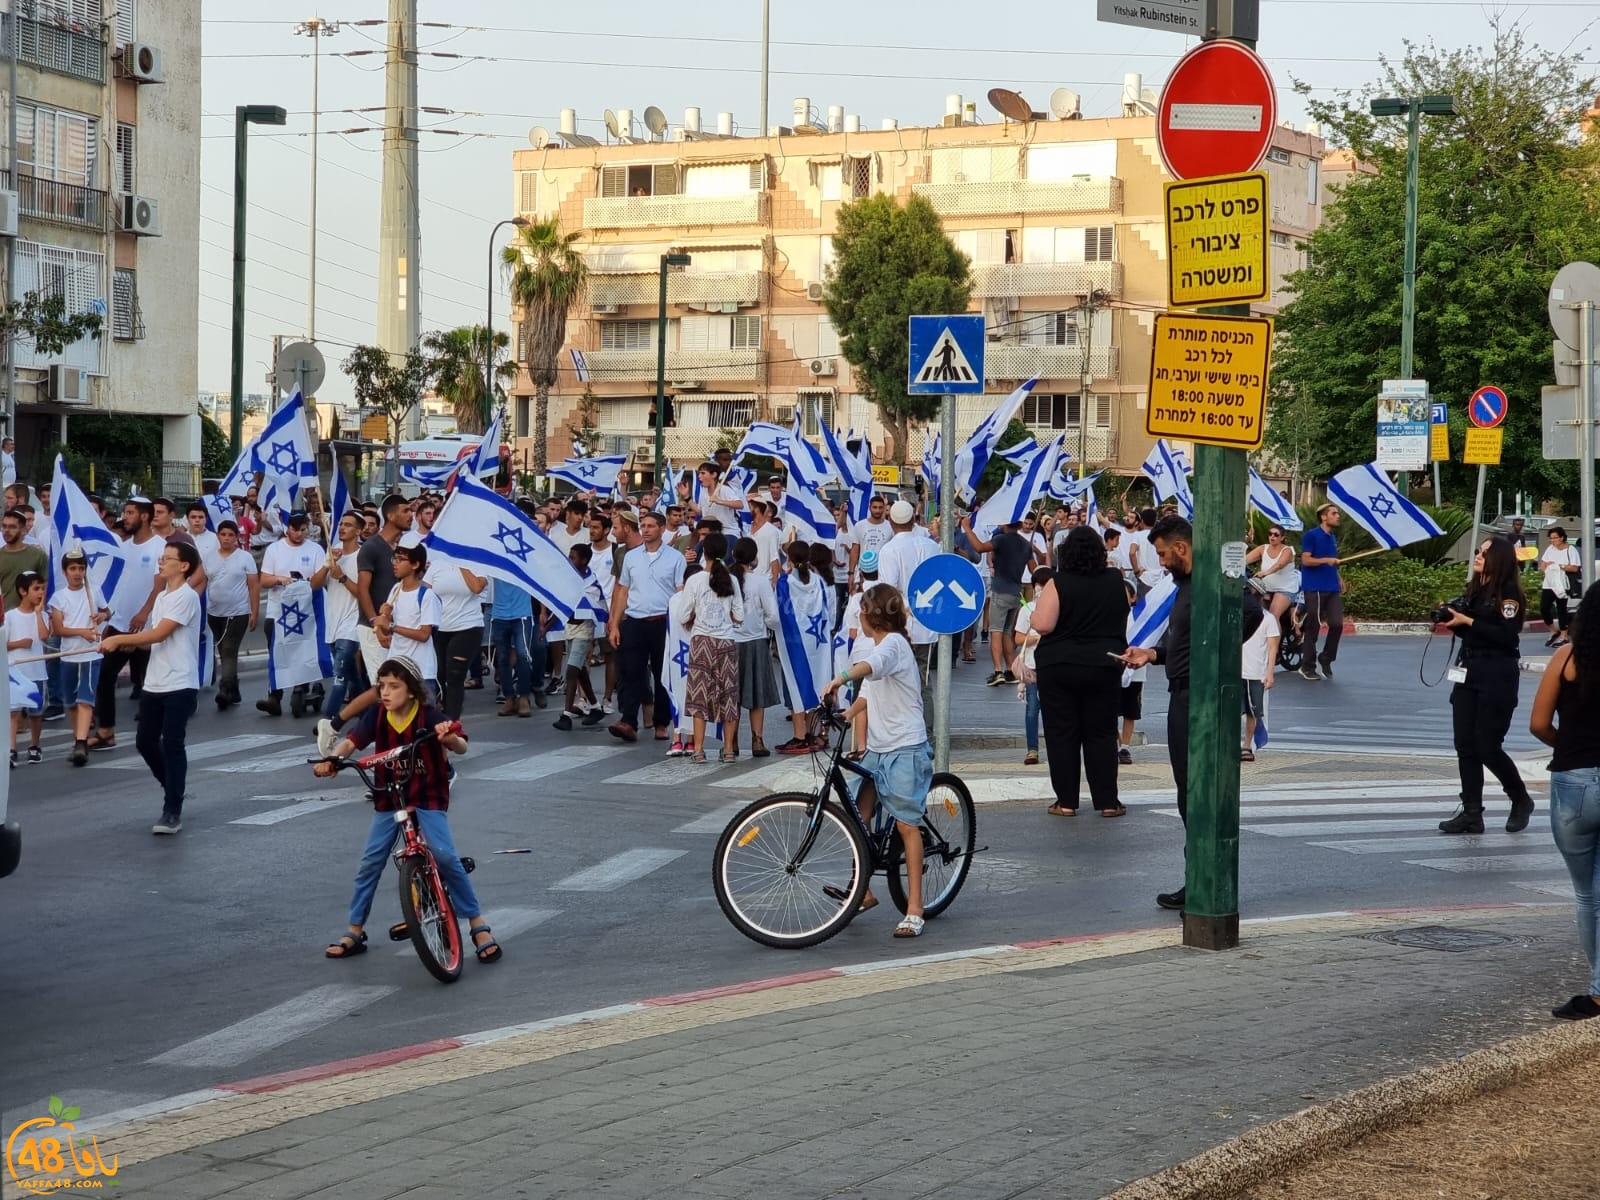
x=618, y=870
x=802, y=774
x=198, y=751
x=1548, y=887
x=1491, y=862
x=676, y=772
x=505, y=922
x=1284, y=829
x=715, y=821
x=1251, y=812
x=1403, y=845
x=278, y=1025
x=301, y=806
x=538, y=766
x=281, y=761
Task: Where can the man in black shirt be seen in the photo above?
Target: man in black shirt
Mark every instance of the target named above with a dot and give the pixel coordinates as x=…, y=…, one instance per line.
x=1011, y=555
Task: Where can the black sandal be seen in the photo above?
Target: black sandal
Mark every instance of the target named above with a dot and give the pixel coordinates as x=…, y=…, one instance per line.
x=348, y=946
x=487, y=952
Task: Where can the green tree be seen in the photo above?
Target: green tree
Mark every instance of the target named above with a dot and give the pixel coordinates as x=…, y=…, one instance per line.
x=891, y=262
x=43, y=321
x=548, y=274
x=216, y=452
x=584, y=423
x=1506, y=198
x=457, y=365
x=390, y=384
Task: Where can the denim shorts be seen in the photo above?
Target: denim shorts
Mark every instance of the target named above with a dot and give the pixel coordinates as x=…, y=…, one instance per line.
x=78, y=681
x=901, y=778
x=36, y=710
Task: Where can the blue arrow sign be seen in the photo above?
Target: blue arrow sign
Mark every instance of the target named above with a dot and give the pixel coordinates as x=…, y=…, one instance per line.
x=946, y=593
x=946, y=356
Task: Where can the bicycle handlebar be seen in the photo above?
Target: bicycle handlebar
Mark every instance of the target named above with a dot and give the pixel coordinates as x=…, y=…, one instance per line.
x=383, y=757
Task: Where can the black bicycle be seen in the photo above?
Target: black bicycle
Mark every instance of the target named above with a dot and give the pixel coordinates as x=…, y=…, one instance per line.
x=792, y=868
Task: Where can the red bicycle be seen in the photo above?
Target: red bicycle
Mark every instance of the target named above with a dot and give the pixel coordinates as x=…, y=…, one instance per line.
x=430, y=919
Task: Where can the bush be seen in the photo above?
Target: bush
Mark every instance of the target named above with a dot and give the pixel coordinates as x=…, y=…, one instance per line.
x=1399, y=589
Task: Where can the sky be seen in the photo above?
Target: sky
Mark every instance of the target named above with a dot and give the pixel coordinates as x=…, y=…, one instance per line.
x=517, y=65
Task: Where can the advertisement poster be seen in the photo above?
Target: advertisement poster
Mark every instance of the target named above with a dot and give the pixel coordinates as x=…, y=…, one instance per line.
x=1404, y=433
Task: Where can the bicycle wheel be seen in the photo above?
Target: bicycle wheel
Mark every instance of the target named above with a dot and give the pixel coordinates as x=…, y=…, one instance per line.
x=949, y=833
x=775, y=900
x=435, y=933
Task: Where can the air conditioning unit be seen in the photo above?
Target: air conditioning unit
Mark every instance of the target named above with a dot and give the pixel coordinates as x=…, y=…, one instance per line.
x=824, y=366
x=139, y=215
x=782, y=414
x=606, y=309
x=67, y=385
x=8, y=214
x=140, y=62
x=814, y=292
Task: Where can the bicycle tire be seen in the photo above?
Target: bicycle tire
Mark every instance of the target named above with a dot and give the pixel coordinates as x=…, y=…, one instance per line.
x=766, y=900
x=949, y=833
x=431, y=919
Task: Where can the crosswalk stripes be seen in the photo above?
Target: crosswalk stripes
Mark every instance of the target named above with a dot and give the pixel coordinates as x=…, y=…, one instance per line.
x=282, y=1023
x=542, y=764
x=714, y=821
x=506, y=923
x=1543, y=861
x=299, y=805
x=199, y=751
x=618, y=870
x=1426, y=734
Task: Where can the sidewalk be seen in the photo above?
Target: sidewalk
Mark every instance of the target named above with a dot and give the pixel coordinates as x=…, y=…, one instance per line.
x=1061, y=1069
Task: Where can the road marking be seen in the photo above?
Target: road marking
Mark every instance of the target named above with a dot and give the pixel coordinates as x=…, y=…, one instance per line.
x=198, y=751
x=506, y=923
x=674, y=772
x=1548, y=887
x=1251, y=811
x=1402, y=845
x=715, y=821
x=276, y=1026
x=302, y=804
x=804, y=774
x=1285, y=829
x=618, y=870
x=273, y=762
x=1491, y=862
x=538, y=766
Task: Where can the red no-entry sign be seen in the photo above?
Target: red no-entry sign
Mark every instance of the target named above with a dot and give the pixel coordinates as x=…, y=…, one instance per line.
x=1218, y=111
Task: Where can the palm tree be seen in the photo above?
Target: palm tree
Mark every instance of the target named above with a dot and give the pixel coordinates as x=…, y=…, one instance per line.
x=547, y=275
x=457, y=361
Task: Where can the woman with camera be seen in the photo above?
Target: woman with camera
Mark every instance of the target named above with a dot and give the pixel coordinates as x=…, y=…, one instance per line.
x=1488, y=620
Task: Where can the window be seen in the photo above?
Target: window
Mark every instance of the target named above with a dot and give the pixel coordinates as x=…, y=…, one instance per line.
x=1060, y=411
x=527, y=198
x=127, y=323
x=649, y=179
x=1277, y=154
x=1098, y=244
x=827, y=338
x=746, y=333
x=55, y=144
x=126, y=172
x=735, y=412
x=78, y=277
x=523, y=334
x=817, y=408
x=858, y=177
x=627, y=335
x=1312, y=181
x=1049, y=329
x=1072, y=160
x=724, y=179
x=83, y=13
x=127, y=21
x=1281, y=239
x=523, y=424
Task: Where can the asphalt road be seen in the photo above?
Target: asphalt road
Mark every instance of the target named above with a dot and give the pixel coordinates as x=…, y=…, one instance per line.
x=140, y=967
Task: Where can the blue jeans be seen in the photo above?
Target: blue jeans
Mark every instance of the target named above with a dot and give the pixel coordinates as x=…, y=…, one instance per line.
x=52, y=673
x=435, y=828
x=520, y=655
x=348, y=679
x=163, y=726
x=1030, y=715
x=1575, y=822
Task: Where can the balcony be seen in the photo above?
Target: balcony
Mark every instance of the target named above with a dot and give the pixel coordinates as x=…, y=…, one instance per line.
x=683, y=287
x=683, y=446
x=1023, y=196
x=645, y=212
x=63, y=48
x=626, y=366
x=63, y=203
x=1047, y=279
x=1012, y=360
x=1099, y=446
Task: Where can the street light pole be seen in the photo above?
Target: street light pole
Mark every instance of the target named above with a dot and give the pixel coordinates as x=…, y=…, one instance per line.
x=244, y=116
x=488, y=316
x=667, y=260
x=316, y=28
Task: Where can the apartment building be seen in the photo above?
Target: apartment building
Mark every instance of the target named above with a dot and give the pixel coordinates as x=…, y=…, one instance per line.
x=101, y=204
x=1061, y=217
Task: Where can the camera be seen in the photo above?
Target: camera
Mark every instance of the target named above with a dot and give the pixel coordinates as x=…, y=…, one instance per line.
x=1441, y=615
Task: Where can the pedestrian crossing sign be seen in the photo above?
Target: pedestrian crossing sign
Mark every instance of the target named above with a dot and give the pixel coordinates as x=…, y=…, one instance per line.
x=946, y=356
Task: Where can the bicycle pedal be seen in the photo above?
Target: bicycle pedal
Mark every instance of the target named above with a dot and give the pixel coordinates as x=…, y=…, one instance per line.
x=469, y=865
x=399, y=933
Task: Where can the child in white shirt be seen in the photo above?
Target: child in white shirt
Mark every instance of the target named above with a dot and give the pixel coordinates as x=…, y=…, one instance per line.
x=27, y=627
x=1256, y=660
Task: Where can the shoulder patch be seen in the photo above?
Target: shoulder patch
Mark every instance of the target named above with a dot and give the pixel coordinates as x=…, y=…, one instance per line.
x=1509, y=609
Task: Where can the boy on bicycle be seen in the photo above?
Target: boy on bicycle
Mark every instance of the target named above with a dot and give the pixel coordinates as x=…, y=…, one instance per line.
x=402, y=716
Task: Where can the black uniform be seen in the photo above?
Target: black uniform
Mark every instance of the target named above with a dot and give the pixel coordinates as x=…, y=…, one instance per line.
x=1481, y=707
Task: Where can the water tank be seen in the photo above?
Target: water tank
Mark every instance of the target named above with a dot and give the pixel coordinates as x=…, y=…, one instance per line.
x=569, y=120
x=802, y=110
x=835, y=118
x=890, y=123
x=725, y=124
x=852, y=123
x=625, y=121
x=691, y=119
x=952, y=105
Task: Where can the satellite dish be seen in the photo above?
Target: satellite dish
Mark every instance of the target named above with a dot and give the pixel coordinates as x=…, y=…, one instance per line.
x=655, y=121
x=613, y=126
x=1065, y=104
x=1008, y=104
x=538, y=137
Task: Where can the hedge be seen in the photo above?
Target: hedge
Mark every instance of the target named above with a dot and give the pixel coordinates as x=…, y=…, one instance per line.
x=1401, y=589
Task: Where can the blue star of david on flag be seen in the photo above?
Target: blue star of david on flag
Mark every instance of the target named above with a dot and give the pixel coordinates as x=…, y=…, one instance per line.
x=283, y=458
x=283, y=452
x=513, y=541
x=681, y=658
x=1381, y=505
x=817, y=627
x=1367, y=496
x=292, y=620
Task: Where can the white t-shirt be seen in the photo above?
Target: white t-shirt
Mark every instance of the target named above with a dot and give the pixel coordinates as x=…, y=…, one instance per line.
x=1150, y=568
x=894, y=696
x=714, y=616
x=769, y=547
x=1555, y=579
x=175, y=661
x=75, y=614
x=1253, y=662
x=143, y=560
x=871, y=536
x=24, y=626
x=841, y=554
x=601, y=560
x=228, y=583
x=459, y=606
x=206, y=542
x=852, y=615
x=718, y=508
x=760, y=607
x=285, y=560
x=1024, y=626
x=341, y=610
x=899, y=557
x=415, y=608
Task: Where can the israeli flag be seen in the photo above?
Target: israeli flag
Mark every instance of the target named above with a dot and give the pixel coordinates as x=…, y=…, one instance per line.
x=597, y=473
x=1019, y=452
x=219, y=507
x=341, y=501
x=1016, y=495
x=1373, y=502
x=25, y=693
x=808, y=468
x=932, y=462
x=675, y=662
x=669, y=487
x=1168, y=472
x=1069, y=490
x=975, y=453
x=485, y=460
x=1271, y=505
x=299, y=651
x=764, y=438
x=491, y=536
x=78, y=525
x=810, y=518
x=805, y=638
x=207, y=652
x=591, y=605
x=853, y=473
x=580, y=365
x=743, y=481
x=283, y=452
x=1147, y=622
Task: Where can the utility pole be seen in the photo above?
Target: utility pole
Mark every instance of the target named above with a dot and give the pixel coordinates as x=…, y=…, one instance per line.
x=1091, y=302
x=399, y=238
x=10, y=414
x=315, y=28
x=766, y=58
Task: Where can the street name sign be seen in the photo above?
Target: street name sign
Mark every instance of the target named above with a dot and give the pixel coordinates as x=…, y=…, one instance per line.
x=946, y=593
x=1483, y=447
x=1217, y=240
x=1208, y=379
x=1487, y=408
x=1218, y=111
x=946, y=356
x=1176, y=16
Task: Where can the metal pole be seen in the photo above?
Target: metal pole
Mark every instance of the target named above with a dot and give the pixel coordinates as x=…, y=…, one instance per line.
x=311, y=271
x=1590, y=546
x=1438, y=489
x=661, y=378
x=1085, y=346
x=241, y=134
x=1408, y=287
x=1477, y=518
x=947, y=544
x=766, y=58
x=11, y=243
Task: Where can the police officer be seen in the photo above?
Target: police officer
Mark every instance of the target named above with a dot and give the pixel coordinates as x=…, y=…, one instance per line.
x=1489, y=625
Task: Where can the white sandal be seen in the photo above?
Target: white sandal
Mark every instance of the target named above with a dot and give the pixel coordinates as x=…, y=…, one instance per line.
x=910, y=926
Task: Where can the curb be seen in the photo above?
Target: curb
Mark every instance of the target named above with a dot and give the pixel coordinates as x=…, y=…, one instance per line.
x=1267, y=1152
